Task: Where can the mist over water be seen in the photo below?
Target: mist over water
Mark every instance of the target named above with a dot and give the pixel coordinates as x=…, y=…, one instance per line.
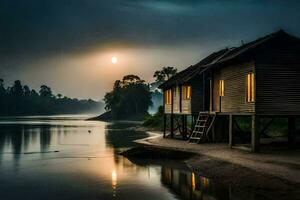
x=65, y=157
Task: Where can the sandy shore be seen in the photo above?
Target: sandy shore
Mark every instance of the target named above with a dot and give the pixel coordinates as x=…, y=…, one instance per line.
x=275, y=174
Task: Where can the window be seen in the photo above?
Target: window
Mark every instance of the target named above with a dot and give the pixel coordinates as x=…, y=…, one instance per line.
x=250, y=88
x=221, y=88
x=168, y=97
x=186, y=92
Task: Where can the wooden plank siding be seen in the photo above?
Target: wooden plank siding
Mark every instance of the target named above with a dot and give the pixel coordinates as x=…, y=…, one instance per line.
x=179, y=105
x=197, y=103
x=176, y=99
x=235, y=91
x=168, y=108
x=278, y=83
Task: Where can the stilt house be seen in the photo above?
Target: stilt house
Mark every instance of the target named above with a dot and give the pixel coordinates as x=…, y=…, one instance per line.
x=258, y=79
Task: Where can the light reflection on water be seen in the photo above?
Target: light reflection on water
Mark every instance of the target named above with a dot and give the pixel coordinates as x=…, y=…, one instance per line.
x=68, y=158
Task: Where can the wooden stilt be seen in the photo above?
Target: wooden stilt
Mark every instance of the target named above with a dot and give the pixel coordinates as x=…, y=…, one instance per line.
x=213, y=134
x=192, y=123
x=231, y=143
x=172, y=126
x=291, y=130
x=185, y=127
x=254, y=135
x=182, y=126
x=165, y=124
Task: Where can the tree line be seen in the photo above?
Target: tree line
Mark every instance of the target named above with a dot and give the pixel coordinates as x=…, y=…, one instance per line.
x=19, y=100
x=131, y=96
x=129, y=99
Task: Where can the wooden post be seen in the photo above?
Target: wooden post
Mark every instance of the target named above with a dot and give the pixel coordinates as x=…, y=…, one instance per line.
x=231, y=143
x=182, y=125
x=254, y=135
x=291, y=130
x=165, y=124
x=210, y=95
x=172, y=116
x=220, y=103
x=172, y=125
x=192, y=123
x=213, y=133
x=203, y=92
x=180, y=99
x=185, y=127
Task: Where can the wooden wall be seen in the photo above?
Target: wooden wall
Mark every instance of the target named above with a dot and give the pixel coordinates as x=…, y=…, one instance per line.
x=176, y=99
x=195, y=104
x=278, y=80
x=186, y=106
x=168, y=108
x=234, y=99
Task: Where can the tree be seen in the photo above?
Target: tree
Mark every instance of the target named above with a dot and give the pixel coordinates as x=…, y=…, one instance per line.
x=164, y=74
x=45, y=91
x=17, y=89
x=159, y=76
x=1, y=82
x=21, y=100
x=26, y=90
x=131, y=79
x=129, y=98
x=2, y=89
x=59, y=96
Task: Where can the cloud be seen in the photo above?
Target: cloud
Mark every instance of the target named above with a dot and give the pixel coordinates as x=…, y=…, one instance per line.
x=34, y=27
x=40, y=36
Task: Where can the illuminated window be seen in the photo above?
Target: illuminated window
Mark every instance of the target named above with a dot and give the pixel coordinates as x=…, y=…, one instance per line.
x=221, y=87
x=250, y=88
x=193, y=182
x=186, y=92
x=168, y=97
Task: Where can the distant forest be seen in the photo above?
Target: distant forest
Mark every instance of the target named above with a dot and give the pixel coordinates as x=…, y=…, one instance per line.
x=19, y=100
x=129, y=99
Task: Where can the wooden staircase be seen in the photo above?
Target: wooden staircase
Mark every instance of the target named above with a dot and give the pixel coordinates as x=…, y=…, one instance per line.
x=203, y=124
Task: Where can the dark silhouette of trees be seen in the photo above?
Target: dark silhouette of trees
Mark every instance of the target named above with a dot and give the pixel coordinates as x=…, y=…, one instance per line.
x=17, y=89
x=59, y=96
x=129, y=99
x=21, y=100
x=45, y=92
x=164, y=74
x=160, y=76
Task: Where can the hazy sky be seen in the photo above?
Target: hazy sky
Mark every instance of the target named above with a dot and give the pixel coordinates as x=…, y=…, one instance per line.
x=68, y=44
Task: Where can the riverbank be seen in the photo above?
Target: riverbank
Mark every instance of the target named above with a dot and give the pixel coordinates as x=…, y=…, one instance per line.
x=275, y=172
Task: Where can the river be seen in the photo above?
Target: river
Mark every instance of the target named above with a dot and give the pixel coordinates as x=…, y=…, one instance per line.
x=65, y=157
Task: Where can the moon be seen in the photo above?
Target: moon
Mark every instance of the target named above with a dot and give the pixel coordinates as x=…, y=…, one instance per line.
x=114, y=60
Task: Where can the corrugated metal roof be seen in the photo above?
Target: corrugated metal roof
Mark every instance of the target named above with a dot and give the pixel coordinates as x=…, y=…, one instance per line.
x=220, y=57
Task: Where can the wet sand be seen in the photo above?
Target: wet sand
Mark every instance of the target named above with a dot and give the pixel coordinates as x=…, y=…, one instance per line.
x=268, y=175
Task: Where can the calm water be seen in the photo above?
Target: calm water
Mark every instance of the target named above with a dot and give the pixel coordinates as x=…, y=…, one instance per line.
x=69, y=158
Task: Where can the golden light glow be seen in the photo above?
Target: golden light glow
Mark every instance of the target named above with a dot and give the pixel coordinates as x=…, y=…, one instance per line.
x=168, y=97
x=114, y=181
x=193, y=182
x=250, y=87
x=186, y=91
x=221, y=88
x=204, y=182
x=114, y=60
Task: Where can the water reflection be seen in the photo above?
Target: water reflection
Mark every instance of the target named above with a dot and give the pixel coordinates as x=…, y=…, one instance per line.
x=114, y=178
x=75, y=159
x=190, y=186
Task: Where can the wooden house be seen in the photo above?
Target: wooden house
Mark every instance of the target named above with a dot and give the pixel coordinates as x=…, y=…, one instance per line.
x=258, y=79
